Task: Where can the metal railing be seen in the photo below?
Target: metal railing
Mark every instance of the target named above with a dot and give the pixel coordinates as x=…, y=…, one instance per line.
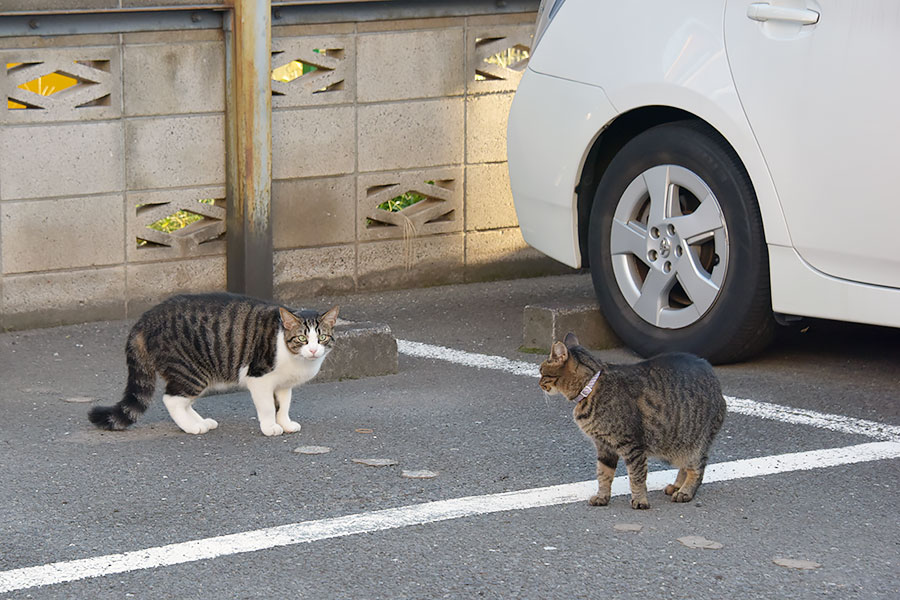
x=17, y=23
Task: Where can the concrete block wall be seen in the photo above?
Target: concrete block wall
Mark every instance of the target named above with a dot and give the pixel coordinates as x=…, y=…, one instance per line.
x=393, y=107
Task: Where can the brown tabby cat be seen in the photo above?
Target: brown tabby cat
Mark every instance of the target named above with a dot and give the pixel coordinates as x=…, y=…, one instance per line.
x=669, y=406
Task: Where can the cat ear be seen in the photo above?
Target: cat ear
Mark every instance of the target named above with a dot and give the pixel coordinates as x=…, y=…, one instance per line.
x=559, y=352
x=330, y=318
x=571, y=340
x=288, y=319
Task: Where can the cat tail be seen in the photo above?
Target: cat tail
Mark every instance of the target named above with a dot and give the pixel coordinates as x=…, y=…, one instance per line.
x=138, y=391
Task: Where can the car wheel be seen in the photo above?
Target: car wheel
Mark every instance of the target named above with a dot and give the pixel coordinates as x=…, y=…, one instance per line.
x=677, y=252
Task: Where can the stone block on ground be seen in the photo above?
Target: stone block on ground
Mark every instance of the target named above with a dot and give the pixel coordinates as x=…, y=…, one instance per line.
x=361, y=349
x=547, y=323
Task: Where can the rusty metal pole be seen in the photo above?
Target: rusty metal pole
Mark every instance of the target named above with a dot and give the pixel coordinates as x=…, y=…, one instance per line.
x=248, y=147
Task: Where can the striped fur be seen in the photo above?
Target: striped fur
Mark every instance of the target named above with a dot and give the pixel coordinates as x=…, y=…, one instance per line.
x=670, y=406
x=199, y=342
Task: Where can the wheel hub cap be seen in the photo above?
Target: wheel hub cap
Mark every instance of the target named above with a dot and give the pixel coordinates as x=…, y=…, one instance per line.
x=669, y=246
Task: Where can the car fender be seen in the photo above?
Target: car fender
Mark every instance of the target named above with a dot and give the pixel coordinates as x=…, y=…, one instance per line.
x=546, y=157
x=678, y=62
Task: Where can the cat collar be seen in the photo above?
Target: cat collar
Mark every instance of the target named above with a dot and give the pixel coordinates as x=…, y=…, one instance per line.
x=589, y=387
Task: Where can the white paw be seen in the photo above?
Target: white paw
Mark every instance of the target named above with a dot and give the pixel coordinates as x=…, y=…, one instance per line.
x=273, y=429
x=194, y=428
x=291, y=427
x=211, y=424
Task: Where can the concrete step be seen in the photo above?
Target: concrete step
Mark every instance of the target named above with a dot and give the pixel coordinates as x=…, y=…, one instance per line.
x=544, y=324
x=361, y=349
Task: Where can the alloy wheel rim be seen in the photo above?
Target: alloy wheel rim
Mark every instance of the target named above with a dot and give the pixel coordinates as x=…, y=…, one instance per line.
x=669, y=246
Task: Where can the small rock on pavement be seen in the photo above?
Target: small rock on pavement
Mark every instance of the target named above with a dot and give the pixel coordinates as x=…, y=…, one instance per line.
x=79, y=399
x=375, y=462
x=795, y=564
x=312, y=449
x=628, y=527
x=696, y=541
x=419, y=474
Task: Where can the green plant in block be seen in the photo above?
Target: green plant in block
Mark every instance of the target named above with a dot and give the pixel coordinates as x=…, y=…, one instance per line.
x=177, y=220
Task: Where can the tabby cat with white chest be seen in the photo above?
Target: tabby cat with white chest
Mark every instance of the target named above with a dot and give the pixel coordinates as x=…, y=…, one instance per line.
x=201, y=342
x=670, y=406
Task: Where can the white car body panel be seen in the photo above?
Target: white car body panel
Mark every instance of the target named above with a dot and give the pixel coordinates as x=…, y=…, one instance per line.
x=545, y=194
x=799, y=289
x=832, y=148
x=678, y=60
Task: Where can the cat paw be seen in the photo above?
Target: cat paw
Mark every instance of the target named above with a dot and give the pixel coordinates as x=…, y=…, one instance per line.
x=682, y=497
x=670, y=489
x=639, y=504
x=211, y=424
x=291, y=427
x=598, y=500
x=273, y=429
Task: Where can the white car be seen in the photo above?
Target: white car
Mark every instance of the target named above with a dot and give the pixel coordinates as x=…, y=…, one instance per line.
x=720, y=166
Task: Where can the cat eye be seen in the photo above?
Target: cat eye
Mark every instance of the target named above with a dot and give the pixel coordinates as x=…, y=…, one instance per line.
x=299, y=338
x=324, y=338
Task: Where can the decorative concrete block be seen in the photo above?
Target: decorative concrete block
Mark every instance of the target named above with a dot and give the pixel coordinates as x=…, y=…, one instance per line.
x=94, y=74
x=61, y=234
x=332, y=82
x=484, y=44
x=548, y=323
x=201, y=238
x=410, y=24
x=313, y=212
x=58, y=41
x=489, y=201
x=411, y=64
x=440, y=210
x=50, y=299
x=174, y=78
x=61, y=160
x=151, y=283
x=486, y=118
x=411, y=134
x=309, y=29
x=175, y=152
x=306, y=272
x=313, y=142
x=432, y=260
x=174, y=36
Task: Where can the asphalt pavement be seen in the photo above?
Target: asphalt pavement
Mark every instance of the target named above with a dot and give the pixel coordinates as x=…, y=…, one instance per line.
x=141, y=514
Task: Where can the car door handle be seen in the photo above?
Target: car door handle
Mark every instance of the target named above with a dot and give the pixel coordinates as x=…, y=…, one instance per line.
x=763, y=11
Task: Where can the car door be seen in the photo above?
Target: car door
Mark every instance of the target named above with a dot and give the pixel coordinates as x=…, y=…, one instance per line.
x=820, y=85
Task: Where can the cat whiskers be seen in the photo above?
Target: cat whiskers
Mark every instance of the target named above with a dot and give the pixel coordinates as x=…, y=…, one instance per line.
x=546, y=397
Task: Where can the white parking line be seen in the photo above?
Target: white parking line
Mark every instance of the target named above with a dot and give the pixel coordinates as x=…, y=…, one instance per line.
x=753, y=408
x=417, y=514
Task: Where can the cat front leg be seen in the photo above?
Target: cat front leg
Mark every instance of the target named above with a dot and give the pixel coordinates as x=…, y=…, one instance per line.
x=607, y=460
x=263, y=396
x=636, y=462
x=283, y=406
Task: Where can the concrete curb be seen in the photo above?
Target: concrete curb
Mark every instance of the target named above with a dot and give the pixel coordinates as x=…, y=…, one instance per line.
x=544, y=324
x=361, y=349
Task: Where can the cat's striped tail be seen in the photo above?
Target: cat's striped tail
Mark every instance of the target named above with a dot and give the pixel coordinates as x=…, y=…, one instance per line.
x=138, y=391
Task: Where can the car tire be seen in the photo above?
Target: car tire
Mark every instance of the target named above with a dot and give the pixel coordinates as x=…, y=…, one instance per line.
x=676, y=246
